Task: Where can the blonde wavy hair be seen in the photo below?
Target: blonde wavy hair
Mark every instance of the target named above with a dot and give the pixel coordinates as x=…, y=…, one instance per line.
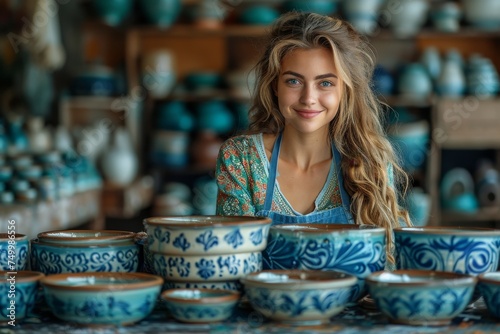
x=356, y=130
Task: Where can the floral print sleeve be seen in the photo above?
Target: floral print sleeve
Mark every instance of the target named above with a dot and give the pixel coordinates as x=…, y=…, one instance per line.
x=235, y=195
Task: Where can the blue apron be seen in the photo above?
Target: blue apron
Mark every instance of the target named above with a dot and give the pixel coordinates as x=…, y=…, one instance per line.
x=338, y=215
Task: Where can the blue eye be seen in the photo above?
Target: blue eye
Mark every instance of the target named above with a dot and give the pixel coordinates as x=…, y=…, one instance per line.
x=326, y=84
x=292, y=81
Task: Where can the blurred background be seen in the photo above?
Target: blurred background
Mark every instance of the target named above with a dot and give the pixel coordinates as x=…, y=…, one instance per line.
x=114, y=110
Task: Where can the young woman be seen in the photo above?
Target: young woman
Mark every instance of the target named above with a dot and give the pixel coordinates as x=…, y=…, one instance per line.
x=316, y=150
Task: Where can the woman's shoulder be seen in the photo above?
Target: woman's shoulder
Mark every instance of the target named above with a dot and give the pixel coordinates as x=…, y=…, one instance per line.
x=242, y=144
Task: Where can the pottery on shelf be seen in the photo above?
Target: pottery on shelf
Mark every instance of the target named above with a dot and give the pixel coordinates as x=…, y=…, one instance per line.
x=406, y=17
x=113, y=12
x=162, y=13
x=482, y=14
x=363, y=14
x=414, y=82
x=158, y=73
x=119, y=161
x=451, y=81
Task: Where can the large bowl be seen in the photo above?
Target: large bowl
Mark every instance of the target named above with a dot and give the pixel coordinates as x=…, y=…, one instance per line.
x=301, y=297
x=18, y=294
x=75, y=251
x=421, y=297
x=489, y=287
x=14, y=251
x=354, y=249
x=454, y=249
x=102, y=298
x=204, y=235
x=200, y=305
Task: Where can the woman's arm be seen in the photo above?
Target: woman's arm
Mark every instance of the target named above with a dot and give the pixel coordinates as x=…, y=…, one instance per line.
x=233, y=198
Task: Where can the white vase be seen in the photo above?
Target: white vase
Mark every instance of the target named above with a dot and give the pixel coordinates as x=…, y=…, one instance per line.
x=451, y=81
x=406, y=17
x=39, y=137
x=158, y=73
x=119, y=161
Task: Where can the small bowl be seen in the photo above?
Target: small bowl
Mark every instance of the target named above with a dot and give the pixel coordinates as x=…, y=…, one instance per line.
x=299, y=297
x=421, y=297
x=200, y=305
x=489, y=287
x=358, y=250
x=224, y=285
x=14, y=251
x=102, y=298
x=74, y=251
x=25, y=287
x=464, y=250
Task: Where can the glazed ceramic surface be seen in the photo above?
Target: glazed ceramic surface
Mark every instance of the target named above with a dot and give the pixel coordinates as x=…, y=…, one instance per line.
x=74, y=251
x=489, y=287
x=454, y=249
x=102, y=298
x=206, y=268
x=14, y=252
x=20, y=288
x=206, y=235
x=298, y=296
x=200, y=305
x=224, y=285
x=353, y=249
x=421, y=297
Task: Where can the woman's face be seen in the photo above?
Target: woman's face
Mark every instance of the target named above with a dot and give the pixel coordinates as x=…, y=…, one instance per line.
x=308, y=89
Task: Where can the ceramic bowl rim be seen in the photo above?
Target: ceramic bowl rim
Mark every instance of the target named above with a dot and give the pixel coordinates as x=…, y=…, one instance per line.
x=4, y=236
x=492, y=277
x=224, y=296
x=325, y=279
x=200, y=221
x=326, y=228
x=144, y=281
x=103, y=245
x=445, y=278
x=450, y=230
x=57, y=236
x=22, y=276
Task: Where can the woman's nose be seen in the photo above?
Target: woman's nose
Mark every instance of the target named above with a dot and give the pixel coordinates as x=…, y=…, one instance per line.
x=308, y=95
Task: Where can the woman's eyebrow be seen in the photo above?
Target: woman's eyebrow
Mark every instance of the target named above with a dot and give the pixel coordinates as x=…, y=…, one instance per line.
x=321, y=76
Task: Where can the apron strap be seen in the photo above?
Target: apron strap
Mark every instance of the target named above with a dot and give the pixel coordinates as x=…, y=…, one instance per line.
x=273, y=166
x=346, y=201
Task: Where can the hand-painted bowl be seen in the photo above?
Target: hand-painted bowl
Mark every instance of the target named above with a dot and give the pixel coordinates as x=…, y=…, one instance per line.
x=200, y=305
x=224, y=285
x=204, y=235
x=299, y=297
x=465, y=250
x=489, y=287
x=102, y=298
x=14, y=251
x=421, y=297
x=358, y=250
x=18, y=292
x=76, y=251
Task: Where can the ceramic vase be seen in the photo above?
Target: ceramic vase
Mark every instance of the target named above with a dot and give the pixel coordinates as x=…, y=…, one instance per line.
x=39, y=138
x=214, y=116
x=451, y=81
x=482, y=77
x=158, y=73
x=363, y=14
x=119, y=161
x=175, y=116
x=406, y=17
x=482, y=14
x=414, y=82
x=419, y=206
x=432, y=62
x=113, y=12
x=163, y=13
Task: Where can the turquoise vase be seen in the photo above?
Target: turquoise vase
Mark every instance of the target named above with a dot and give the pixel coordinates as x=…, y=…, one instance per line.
x=113, y=12
x=163, y=13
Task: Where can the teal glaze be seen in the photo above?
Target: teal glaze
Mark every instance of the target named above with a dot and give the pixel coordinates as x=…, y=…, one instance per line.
x=161, y=12
x=113, y=12
x=489, y=287
x=26, y=287
x=21, y=258
x=214, y=116
x=259, y=15
x=174, y=115
x=324, y=7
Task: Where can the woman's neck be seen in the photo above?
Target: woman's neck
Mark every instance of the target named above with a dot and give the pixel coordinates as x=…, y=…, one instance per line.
x=305, y=150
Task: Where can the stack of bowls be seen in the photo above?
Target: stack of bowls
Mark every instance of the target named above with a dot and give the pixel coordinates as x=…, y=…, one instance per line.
x=211, y=252
x=358, y=250
x=14, y=251
x=18, y=294
x=76, y=251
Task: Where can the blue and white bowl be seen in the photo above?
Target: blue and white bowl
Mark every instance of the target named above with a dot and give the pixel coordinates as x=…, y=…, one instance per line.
x=354, y=249
x=200, y=305
x=225, y=285
x=101, y=298
x=462, y=250
x=78, y=251
x=489, y=287
x=421, y=297
x=14, y=252
x=300, y=297
x=21, y=288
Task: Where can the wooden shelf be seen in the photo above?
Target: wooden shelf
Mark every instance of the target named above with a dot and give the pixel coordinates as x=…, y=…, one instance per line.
x=401, y=101
x=189, y=30
x=482, y=215
x=127, y=201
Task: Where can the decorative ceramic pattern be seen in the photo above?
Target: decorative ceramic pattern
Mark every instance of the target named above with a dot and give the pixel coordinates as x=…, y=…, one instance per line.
x=53, y=260
x=489, y=287
x=206, y=268
x=229, y=285
x=25, y=298
x=96, y=307
x=200, y=313
x=21, y=258
x=298, y=305
x=455, y=253
x=209, y=239
x=358, y=255
x=422, y=305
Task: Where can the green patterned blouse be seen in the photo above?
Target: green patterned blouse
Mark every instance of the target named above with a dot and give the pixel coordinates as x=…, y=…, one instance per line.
x=242, y=174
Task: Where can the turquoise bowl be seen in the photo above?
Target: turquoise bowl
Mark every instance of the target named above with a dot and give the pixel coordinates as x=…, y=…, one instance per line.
x=200, y=305
x=358, y=250
x=113, y=12
x=18, y=292
x=102, y=298
x=323, y=7
x=298, y=297
x=421, y=297
x=14, y=251
x=162, y=13
x=489, y=287
x=259, y=15
x=464, y=250
x=77, y=251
